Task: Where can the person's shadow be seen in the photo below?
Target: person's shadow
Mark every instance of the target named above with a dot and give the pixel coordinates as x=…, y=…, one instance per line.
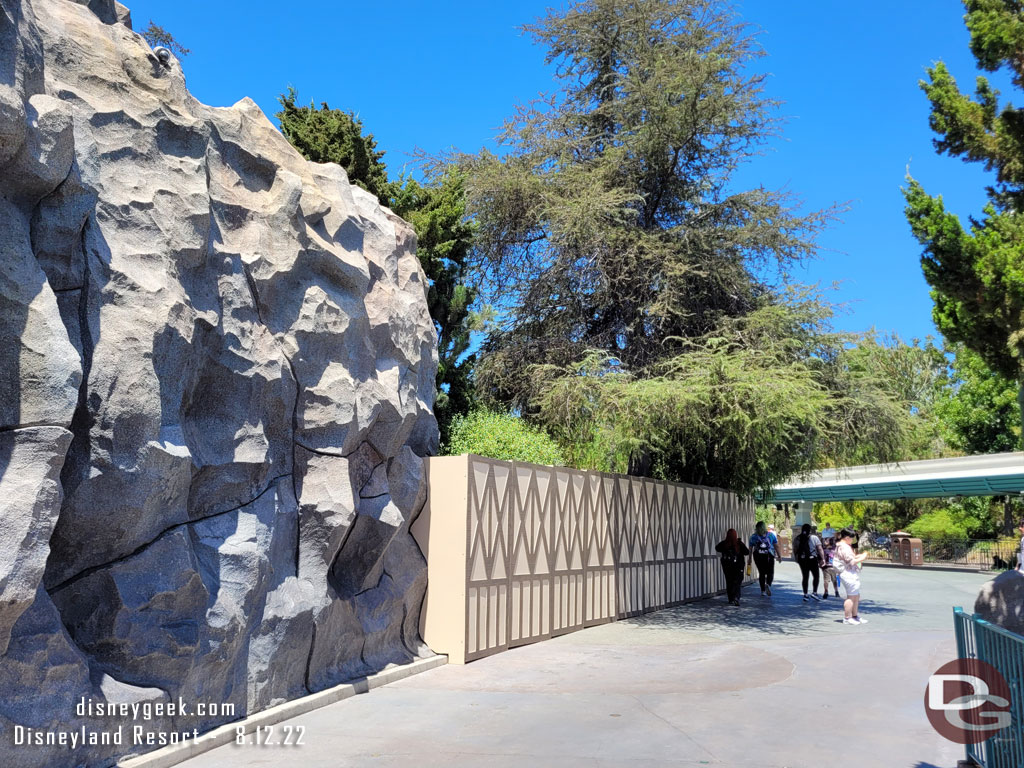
x=785, y=613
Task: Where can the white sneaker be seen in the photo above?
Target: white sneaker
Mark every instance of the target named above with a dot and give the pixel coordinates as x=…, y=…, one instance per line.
x=850, y=621
x=859, y=620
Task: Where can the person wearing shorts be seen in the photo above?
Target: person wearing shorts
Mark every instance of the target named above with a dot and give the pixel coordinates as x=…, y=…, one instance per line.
x=849, y=576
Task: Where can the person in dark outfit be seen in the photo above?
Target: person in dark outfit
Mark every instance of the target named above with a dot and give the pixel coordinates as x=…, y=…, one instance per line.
x=765, y=553
x=810, y=556
x=733, y=553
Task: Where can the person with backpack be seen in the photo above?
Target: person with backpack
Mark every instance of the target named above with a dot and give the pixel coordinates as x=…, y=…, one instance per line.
x=848, y=565
x=764, y=551
x=810, y=556
x=733, y=553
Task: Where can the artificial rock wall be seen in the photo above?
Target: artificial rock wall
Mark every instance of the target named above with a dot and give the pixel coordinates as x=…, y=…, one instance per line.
x=216, y=381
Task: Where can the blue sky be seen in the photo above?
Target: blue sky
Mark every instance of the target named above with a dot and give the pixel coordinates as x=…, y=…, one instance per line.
x=435, y=75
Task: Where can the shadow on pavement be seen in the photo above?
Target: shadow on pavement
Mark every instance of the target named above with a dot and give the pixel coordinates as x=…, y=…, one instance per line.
x=784, y=613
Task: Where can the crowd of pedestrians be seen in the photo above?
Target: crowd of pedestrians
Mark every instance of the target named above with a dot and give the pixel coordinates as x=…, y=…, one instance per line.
x=827, y=560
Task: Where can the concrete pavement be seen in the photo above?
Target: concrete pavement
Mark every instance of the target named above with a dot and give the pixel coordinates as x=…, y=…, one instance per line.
x=701, y=684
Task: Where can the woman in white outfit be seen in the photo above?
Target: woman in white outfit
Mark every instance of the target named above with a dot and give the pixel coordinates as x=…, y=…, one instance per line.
x=849, y=576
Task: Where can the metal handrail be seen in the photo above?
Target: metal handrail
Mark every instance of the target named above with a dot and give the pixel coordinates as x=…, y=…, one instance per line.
x=979, y=639
x=983, y=554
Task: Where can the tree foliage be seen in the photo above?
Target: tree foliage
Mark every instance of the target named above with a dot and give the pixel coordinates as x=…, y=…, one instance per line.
x=444, y=238
x=328, y=135
x=841, y=514
x=156, y=35
x=501, y=436
x=645, y=319
x=610, y=223
x=765, y=396
x=977, y=273
x=981, y=416
x=955, y=522
x=916, y=377
x=979, y=517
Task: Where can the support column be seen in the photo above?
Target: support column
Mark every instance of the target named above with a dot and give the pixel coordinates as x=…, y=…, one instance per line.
x=801, y=514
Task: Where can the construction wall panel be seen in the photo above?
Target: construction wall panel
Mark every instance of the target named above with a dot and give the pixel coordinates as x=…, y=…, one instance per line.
x=550, y=550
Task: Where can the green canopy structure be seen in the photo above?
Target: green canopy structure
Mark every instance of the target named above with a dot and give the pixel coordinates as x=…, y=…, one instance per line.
x=993, y=474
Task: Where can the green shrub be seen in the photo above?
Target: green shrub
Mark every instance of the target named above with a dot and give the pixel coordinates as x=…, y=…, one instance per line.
x=768, y=515
x=939, y=525
x=840, y=514
x=502, y=436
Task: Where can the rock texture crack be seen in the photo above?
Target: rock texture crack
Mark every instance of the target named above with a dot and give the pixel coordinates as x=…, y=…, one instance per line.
x=214, y=404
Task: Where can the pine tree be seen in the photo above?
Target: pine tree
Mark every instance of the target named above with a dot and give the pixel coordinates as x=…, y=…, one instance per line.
x=611, y=223
x=981, y=416
x=328, y=135
x=644, y=316
x=156, y=35
x=444, y=238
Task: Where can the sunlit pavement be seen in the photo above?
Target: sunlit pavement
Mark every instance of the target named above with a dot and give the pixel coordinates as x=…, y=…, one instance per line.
x=774, y=683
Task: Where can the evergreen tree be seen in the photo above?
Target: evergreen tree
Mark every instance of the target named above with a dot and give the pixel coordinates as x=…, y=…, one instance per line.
x=977, y=274
x=610, y=223
x=444, y=238
x=638, y=324
x=915, y=376
x=982, y=415
x=328, y=135
x=157, y=35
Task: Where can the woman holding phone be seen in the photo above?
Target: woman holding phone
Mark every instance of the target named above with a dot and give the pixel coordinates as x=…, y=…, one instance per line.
x=848, y=565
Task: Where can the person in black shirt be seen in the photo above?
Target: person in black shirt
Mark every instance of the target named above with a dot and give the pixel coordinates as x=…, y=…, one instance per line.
x=733, y=553
x=810, y=556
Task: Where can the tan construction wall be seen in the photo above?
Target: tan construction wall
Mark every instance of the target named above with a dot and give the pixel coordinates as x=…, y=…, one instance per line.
x=518, y=552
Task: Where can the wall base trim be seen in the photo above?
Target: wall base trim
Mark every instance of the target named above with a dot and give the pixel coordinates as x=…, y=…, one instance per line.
x=225, y=734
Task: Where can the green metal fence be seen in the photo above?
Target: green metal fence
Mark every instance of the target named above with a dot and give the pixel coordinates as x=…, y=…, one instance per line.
x=1004, y=650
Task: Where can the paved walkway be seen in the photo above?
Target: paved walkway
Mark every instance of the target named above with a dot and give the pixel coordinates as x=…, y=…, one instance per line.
x=702, y=684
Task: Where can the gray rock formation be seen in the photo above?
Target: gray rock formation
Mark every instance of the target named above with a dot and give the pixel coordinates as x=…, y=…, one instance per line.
x=1001, y=601
x=216, y=381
